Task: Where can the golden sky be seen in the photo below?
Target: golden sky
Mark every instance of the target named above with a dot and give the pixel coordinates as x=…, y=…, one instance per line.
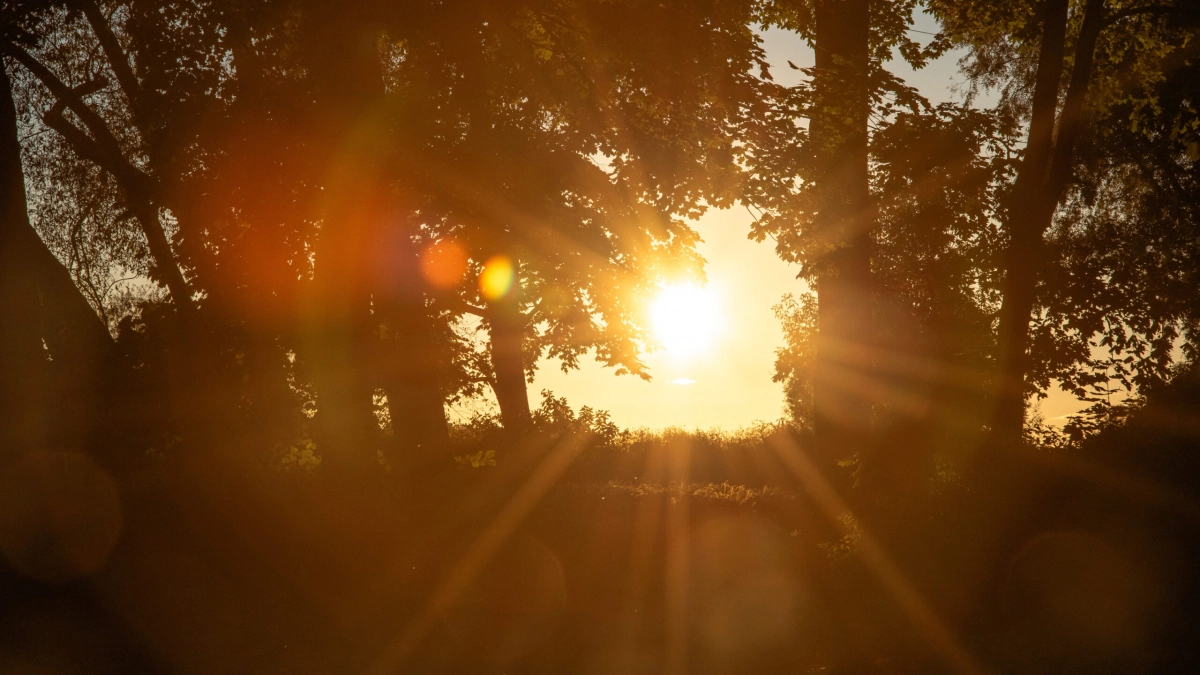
x=728, y=384
x=732, y=384
x=732, y=377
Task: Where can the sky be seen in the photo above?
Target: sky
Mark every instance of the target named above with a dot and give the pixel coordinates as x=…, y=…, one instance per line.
x=728, y=384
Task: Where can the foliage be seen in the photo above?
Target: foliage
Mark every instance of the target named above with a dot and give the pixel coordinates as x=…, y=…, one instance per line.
x=794, y=360
x=938, y=177
x=1099, y=417
x=247, y=202
x=479, y=459
x=75, y=205
x=784, y=162
x=555, y=417
x=1110, y=271
x=510, y=146
x=301, y=456
x=1125, y=257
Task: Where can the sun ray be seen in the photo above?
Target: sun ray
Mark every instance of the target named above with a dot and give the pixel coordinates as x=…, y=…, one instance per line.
x=482, y=549
x=646, y=524
x=906, y=596
x=677, y=560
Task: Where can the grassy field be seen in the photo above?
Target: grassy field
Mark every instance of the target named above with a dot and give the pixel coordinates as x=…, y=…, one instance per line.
x=587, y=549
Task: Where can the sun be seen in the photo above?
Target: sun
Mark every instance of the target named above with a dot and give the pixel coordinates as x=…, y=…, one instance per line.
x=686, y=319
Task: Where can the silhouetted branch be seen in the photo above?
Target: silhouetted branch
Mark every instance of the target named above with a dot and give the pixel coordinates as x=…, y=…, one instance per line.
x=103, y=149
x=1072, y=112
x=468, y=308
x=116, y=56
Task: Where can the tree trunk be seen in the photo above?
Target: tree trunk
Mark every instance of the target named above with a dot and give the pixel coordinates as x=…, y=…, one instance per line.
x=346, y=71
x=274, y=408
x=508, y=357
x=44, y=316
x=102, y=148
x=412, y=363
x=23, y=366
x=137, y=187
x=839, y=130
x=422, y=438
x=1041, y=180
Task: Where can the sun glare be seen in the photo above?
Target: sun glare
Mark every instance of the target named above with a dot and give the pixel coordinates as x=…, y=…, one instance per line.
x=686, y=319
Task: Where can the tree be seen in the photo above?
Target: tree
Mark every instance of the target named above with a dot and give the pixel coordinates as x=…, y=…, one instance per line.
x=52, y=345
x=102, y=146
x=1025, y=48
x=812, y=188
x=149, y=83
x=557, y=138
x=937, y=177
x=1119, y=293
x=303, y=187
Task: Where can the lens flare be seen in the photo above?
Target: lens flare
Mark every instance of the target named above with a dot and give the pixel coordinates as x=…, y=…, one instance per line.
x=443, y=264
x=59, y=515
x=496, y=280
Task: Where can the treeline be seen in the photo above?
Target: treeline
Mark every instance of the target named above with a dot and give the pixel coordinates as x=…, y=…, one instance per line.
x=313, y=190
x=231, y=228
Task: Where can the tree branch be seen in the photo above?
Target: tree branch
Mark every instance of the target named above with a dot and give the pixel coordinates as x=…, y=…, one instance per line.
x=468, y=308
x=116, y=56
x=1045, y=99
x=81, y=143
x=73, y=99
x=102, y=149
x=1071, y=117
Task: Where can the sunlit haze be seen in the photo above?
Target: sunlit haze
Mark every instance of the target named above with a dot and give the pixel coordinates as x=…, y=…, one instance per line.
x=686, y=320
x=722, y=379
x=698, y=383
x=599, y=338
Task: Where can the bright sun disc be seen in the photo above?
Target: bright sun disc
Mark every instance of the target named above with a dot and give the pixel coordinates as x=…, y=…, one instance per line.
x=685, y=319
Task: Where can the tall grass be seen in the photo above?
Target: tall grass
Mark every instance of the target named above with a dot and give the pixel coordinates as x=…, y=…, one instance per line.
x=739, y=457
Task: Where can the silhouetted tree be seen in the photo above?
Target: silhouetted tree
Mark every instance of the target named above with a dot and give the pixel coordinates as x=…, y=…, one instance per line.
x=1123, y=252
x=812, y=187
x=937, y=177
x=1026, y=49
x=53, y=347
x=554, y=136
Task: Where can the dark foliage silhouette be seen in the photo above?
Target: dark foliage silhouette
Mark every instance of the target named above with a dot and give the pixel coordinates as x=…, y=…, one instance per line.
x=262, y=260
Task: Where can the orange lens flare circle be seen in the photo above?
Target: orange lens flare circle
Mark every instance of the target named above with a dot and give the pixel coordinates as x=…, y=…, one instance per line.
x=443, y=264
x=496, y=279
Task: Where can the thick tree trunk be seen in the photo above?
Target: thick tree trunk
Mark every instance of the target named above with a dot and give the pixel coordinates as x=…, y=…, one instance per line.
x=1013, y=330
x=23, y=367
x=53, y=346
x=274, y=407
x=839, y=130
x=1041, y=180
x=412, y=364
x=422, y=438
x=510, y=387
x=345, y=68
x=508, y=358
